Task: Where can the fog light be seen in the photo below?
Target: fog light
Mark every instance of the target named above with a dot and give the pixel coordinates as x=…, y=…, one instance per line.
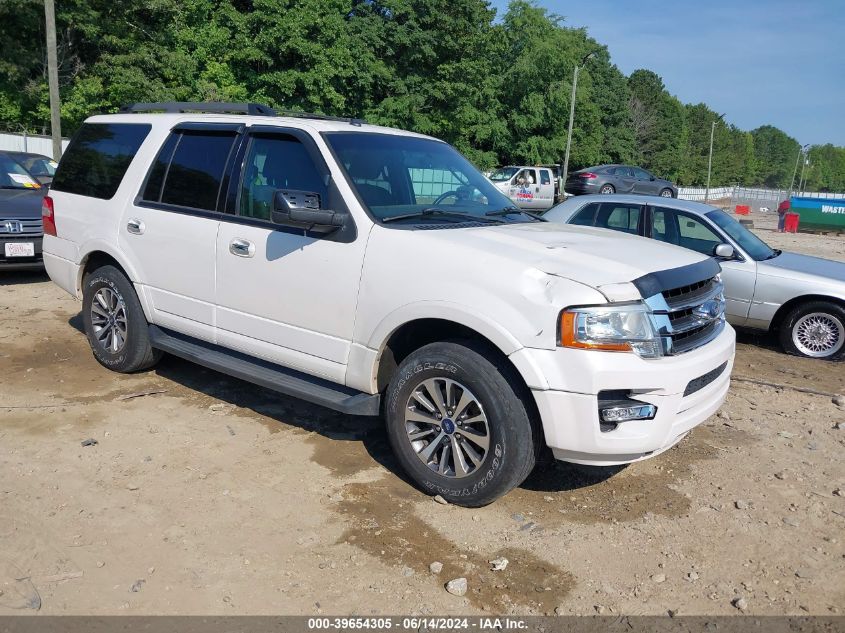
x=626, y=413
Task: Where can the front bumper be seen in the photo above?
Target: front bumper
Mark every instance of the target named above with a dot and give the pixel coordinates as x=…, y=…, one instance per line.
x=21, y=263
x=569, y=406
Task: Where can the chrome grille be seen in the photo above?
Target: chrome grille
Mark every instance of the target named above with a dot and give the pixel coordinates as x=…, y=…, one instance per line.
x=689, y=316
x=21, y=227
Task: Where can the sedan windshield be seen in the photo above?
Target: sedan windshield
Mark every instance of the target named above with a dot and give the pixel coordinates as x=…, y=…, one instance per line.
x=14, y=176
x=756, y=248
x=418, y=180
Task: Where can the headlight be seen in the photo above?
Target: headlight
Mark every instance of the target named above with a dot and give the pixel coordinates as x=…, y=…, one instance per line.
x=623, y=328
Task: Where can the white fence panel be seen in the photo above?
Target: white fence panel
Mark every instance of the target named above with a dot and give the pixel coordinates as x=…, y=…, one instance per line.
x=750, y=194
x=34, y=143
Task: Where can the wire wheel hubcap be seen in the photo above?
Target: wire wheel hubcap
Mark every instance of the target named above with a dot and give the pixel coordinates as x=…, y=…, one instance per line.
x=818, y=334
x=607, y=189
x=447, y=427
x=108, y=320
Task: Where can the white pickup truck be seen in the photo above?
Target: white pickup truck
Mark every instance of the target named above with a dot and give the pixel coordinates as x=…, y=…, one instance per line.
x=377, y=272
x=529, y=187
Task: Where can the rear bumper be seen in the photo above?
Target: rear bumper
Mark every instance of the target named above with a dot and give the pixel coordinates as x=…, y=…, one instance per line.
x=581, y=187
x=63, y=272
x=21, y=263
x=571, y=418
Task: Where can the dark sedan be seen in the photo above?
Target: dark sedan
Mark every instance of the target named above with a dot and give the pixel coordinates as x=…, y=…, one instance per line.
x=608, y=179
x=21, y=230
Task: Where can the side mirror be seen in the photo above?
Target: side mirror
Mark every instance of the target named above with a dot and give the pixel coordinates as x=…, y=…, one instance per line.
x=652, y=178
x=301, y=209
x=723, y=251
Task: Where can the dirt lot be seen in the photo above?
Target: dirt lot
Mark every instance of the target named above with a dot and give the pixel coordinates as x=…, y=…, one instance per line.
x=215, y=497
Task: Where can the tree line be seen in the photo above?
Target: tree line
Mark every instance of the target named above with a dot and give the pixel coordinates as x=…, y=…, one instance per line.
x=497, y=87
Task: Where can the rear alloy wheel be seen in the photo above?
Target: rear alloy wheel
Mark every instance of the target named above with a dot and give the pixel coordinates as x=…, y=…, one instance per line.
x=815, y=330
x=607, y=189
x=667, y=193
x=114, y=322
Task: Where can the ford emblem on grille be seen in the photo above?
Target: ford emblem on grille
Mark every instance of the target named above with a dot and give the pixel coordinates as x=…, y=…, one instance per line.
x=710, y=309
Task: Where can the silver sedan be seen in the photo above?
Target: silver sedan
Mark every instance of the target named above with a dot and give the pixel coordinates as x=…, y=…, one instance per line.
x=798, y=297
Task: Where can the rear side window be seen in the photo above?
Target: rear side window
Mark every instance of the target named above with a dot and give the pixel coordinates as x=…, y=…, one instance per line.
x=98, y=157
x=545, y=179
x=619, y=217
x=586, y=216
x=189, y=169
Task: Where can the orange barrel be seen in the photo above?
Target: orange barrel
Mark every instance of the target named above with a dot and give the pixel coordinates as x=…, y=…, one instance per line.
x=790, y=222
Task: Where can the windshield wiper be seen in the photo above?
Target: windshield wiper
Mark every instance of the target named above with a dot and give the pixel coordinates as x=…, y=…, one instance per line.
x=440, y=212
x=512, y=210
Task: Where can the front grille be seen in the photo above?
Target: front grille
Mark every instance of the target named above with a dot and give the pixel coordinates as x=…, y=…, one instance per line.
x=689, y=316
x=697, y=384
x=21, y=227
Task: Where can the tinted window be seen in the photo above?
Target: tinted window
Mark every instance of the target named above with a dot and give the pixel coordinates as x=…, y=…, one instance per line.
x=545, y=179
x=619, y=217
x=98, y=157
x=155, y=180
x=273, y=163
x=196, y=169
x=586, y=216
x=642, y=174
x=621, y=171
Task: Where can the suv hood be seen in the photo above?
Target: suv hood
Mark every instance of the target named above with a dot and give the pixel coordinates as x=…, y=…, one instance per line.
x=594, y=257
x=21, y=204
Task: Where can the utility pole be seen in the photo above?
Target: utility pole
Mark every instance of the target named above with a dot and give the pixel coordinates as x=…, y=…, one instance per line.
x=801, y=183
x=53, y=79
x=565, y=170
x=710, y=158
x=801, y=149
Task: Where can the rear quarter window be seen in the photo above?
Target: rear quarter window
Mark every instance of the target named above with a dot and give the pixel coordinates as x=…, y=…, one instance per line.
x=98, y=157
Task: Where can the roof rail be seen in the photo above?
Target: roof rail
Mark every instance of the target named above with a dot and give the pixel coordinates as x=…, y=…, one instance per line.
x=321, y=117
x=255, y=109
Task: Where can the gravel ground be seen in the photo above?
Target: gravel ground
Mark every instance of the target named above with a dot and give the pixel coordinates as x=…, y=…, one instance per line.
x=210, y=496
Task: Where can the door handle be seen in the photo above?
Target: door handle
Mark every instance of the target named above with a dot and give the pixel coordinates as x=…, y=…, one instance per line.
x=135, y=226
x=241, y=247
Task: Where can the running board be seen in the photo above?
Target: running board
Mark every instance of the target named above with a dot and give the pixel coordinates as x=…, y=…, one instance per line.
x=265, y=374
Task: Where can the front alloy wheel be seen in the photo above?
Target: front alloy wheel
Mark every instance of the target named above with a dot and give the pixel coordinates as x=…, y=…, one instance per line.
x=818, y=335
x=447, y=427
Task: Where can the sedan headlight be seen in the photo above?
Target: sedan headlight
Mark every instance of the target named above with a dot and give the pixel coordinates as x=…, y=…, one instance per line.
x=621, y=328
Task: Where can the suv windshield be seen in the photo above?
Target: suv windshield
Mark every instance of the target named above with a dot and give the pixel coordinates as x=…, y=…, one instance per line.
x=503, y=174
x=756, y=248
x=14, y=176
x=424, y=179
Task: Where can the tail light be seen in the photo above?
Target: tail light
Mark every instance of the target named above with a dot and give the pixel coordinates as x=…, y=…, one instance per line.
x=48, y=217
x=588, y=175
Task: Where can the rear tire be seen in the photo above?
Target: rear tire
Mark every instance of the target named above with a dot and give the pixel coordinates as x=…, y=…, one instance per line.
x=815, y=329
x=479, y=441
x=115, y=324
x=607, y=189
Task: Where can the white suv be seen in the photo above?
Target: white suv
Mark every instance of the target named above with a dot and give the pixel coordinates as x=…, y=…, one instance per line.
x=376, y=271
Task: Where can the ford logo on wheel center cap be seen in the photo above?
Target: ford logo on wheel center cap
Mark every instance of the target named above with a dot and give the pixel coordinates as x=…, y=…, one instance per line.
x=448, y=426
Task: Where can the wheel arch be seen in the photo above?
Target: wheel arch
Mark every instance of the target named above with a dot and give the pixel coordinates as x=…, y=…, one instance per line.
x=788, y=306
x=101, y=255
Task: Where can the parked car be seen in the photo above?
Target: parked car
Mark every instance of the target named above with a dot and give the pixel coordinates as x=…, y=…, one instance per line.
x=609, y=179
x=532, y=188
x=41, y=167
x=798, y=297
x=372, y=270
x=20, y=217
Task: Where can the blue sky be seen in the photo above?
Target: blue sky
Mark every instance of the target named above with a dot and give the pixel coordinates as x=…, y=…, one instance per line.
x=760, y=62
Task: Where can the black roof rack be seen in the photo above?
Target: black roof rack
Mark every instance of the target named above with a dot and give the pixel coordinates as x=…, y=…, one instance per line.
x=255, y=109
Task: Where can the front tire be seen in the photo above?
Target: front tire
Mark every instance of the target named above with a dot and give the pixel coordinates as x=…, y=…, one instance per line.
x=667, y=193
x=815, y=330
x=115, y=324
x=607, y=189
x=458, y=425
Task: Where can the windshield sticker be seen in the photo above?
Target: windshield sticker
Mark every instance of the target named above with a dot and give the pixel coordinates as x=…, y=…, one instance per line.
x=26, y=181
